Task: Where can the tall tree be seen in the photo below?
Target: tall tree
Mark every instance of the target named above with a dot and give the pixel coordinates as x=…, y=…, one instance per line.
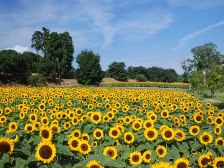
x=89, y=71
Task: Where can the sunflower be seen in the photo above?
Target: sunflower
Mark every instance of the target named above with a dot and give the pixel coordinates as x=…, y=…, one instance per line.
x=151, y=134
x=67, y=125
x=13, y=126
x=75, y=120
x=164, y=113
x=45, y=152
x=42, y=107
x=136, y=125
x=219, y=121
x=148, y=124
x=6, y=145
x=198, y=118
x=98, y=134
x=76, y=133
x=55, y=128
x=206, y=138
x=73, y=143
x=129, y=137
x=135, y=158
x=127, y=120
x=93, y=164
x=194, y=130
x=44, y=120
x=217, y=130
x=168, y=134
x=161, y=164
x=90, y=106
x=29, y=128
x=181, y=163
x=203, y=160
x=219, y=141
x=33, y=118
x=84, y=147
x=85, y=136
x=218, y=162
x=153, y=117
x=14, y=138
x=94, y=144
x=114, y=132
x=116, y=143
x=110, y=151
x=180, y=135
x=161, y=151
x=45, y=133
x=96, y=117
x=147, y=155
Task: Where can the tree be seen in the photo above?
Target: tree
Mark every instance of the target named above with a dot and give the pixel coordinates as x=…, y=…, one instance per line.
x=155, y=74
x=31, y=60
x=89, y=71
x=169, y=75
x=133, y=72
x=196, y=81
x=57, y=48
x=117, y=71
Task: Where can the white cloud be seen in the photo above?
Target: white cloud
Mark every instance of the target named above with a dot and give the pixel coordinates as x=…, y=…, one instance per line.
x=193, y=35
x=19, y=48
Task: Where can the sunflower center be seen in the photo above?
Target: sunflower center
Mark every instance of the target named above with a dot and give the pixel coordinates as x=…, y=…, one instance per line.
x=74, y=143
x=94, y=166
x=84, y=147
x=96, y=117
x=181, y=165
x=218, y=121
x=150, y=134
x=204, y=161
x=128, y=137
x=164, y=114
x=29, y=128
x=33, y=118
x=198, y=118
x=148, y=124
x=168, y=134
x=55, y=129
x=13, y=126
x=45, y=152
x=45, y=121
x=220, y=142
x=135, y=158
x=4, y=147
x=98, y=134
x=45, y=134
x=160, y=151
x=110, y=153
x=205, y=138
x=137, y=125
x=114, y=133
x=147, y=156
x=220, y=163
x=195, y=130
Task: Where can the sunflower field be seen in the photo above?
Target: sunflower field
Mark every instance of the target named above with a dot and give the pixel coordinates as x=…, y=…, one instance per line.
x=107, y=127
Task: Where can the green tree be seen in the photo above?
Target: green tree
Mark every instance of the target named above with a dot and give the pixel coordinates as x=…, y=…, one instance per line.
x=31, y=60
x=57, y=48
x=117, y=71
x=169, y=75
x=215, y=79
x=133, y=72
x=196, y=81
x=155, y=74
x=89, y=71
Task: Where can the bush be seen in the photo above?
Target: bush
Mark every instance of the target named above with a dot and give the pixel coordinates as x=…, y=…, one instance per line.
x=141, y=78
x=37, y=80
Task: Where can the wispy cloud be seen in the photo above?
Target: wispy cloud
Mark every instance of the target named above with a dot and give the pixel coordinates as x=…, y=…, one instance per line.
x=19, y=48
x=193, y=35
x=92, y=23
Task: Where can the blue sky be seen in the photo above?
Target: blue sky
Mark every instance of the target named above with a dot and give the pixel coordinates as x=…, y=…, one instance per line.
x=139, y=32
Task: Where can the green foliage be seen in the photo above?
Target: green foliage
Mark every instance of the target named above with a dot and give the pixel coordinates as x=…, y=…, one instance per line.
x=132, y=72
x=37, y=80
x=141, y=78
x=117, y=71
x=196, y=81
x=89, y=71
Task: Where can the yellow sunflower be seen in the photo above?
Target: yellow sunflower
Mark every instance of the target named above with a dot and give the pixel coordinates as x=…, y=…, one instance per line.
x=219, y=141
x=194, y=130
x=110, y=151
x=151, y=134
x=148, y=124
x=180, y=135
x=168, y=134
x=84, y=147
x=29, y=128
x=114, y=132
x=129, y=137
x=55, y=128
x=93, y=164
x=161, y=165
x=203, y=160
x=135, y=158
x=13, y=126
x=85, y=136
x=206, y=138
x=44, y=120
x=98, y=134
x=181, y=163
x=6, y=145
x=218, y=130
x=45, y=152
x=198, y=118
x=218, y=162
x=73, y=143
x=164, y=113
x=219, y=121
x=161, y=151
x=67, y=125
x=96, y=117
x=33, y=118
x=45, y=133
x=136, y=125
x=147, y=156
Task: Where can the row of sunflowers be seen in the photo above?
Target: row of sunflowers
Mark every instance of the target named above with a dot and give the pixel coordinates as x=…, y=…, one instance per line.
x=106, y=127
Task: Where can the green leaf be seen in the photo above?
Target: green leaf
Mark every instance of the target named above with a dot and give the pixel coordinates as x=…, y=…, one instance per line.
x=196, y=146
x=5, y=159
x=221, y=150
x=193, y=159
x=20, y=163
x=63, y=150
x=56, y=165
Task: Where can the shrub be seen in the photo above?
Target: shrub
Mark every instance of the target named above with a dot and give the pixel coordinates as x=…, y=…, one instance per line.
x=37, y=80
x=141, y=78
